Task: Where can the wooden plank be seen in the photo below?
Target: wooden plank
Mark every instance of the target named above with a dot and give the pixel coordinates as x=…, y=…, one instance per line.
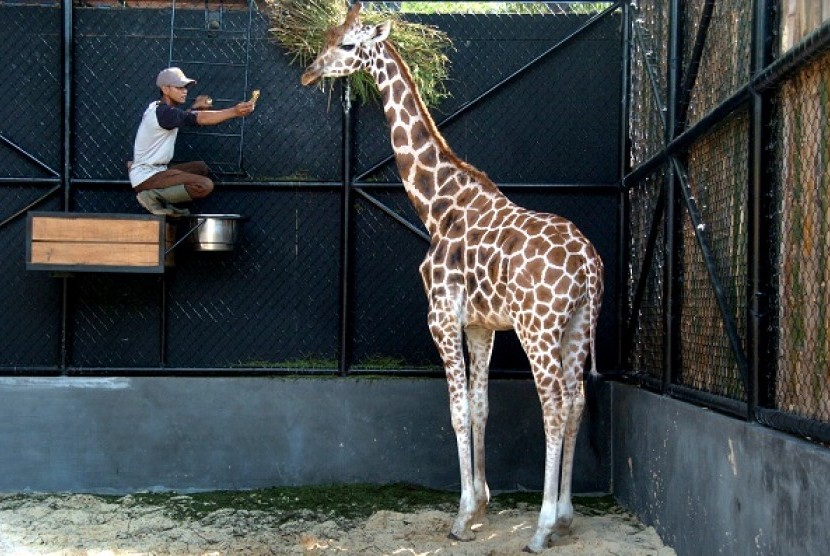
x=80, y=229
x=799, y=18
x=95, y=253
x=790, y=33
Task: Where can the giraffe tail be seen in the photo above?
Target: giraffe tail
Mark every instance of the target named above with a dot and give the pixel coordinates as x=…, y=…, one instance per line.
x=595, y=291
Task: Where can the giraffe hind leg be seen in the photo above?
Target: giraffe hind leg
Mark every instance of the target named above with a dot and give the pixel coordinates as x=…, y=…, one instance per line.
x=575, y=349
x=542, y=343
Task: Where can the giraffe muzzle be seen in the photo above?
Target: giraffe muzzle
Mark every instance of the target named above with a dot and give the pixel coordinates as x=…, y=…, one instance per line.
x=310, y=77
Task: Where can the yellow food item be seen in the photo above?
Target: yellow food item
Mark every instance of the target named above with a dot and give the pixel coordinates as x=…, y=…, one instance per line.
x=255, y=95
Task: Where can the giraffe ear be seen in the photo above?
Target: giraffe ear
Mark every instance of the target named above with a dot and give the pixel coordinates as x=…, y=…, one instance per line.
x=382, y=31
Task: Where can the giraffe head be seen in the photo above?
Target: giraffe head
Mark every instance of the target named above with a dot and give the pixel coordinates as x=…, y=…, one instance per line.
x=344, y=44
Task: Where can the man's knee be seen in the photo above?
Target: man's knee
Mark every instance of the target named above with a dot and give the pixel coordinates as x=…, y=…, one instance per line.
x=200, y=188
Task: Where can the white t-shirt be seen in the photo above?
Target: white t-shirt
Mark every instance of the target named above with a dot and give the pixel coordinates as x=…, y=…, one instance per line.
x=155, y=140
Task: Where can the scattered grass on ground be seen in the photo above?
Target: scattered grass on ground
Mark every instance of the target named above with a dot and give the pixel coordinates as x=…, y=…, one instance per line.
x=346, y=502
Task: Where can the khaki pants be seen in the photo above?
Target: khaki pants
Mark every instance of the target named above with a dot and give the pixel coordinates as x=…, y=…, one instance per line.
x=193, y=175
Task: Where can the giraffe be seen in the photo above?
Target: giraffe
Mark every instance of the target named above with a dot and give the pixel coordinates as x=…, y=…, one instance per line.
x=491, y=265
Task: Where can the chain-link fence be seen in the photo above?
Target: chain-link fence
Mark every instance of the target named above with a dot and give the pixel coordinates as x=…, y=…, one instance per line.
x=718, y=175
x=644, y=330
x=803, y=228
x=314, y=285
x=729, y=161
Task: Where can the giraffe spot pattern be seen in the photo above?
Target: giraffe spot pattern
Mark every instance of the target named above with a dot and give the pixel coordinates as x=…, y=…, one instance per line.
x=491, y=264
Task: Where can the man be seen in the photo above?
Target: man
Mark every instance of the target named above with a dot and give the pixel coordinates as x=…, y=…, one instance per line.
x=158, y=185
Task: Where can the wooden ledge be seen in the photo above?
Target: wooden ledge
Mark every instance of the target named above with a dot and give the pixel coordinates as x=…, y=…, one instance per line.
x=98, y=242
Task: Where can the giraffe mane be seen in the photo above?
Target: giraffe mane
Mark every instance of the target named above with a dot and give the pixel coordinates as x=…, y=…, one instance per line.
x=430, y=123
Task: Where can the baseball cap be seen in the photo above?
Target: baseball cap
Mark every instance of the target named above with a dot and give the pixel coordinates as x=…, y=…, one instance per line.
x=174, y=77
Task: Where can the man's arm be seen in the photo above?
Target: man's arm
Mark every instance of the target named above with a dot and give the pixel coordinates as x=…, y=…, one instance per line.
x=213, y=117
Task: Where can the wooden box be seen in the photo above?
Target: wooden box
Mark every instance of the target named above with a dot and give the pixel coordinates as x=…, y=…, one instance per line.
x=85, y=242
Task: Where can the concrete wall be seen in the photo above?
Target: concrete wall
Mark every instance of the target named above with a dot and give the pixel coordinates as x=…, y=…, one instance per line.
x=712, y=484
x=709, y=483
x=119, y=435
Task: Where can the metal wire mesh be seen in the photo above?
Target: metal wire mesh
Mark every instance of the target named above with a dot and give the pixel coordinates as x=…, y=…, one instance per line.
x=493, y=134
x=718, y=177
x=274, y=302
x=724, y=65
x=29, y=334
x=111, y=95
x=721, y=163
x=115, y=320
x=275, y=296
x=803, y=221
x=649, y=61
x=389, y=323
x=32, y=60
x=646, y=351
x=113, y=84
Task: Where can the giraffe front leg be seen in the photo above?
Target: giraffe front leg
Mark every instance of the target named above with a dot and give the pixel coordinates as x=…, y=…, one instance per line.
x=460, y=414
x=459, y=409
x=479, y=348
x=447, y=335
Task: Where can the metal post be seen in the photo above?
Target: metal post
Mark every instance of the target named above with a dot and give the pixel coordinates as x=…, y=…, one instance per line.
x=67, y=40
x=67, y=97
x=671, y=283
x=760, y=349
x=344, y=359
x=163, y=320
x=624, y=212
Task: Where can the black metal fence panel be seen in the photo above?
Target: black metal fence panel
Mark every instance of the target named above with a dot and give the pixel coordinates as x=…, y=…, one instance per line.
x=30, y=102
x=30, y=303
x=729, y=161
x=273, y=301
x=118, y=52
x=544, y=128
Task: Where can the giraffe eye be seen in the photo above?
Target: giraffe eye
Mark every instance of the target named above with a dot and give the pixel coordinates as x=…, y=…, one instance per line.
x=347, y=47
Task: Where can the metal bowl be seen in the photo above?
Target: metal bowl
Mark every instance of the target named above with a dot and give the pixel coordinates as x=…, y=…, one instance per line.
x=213, y=232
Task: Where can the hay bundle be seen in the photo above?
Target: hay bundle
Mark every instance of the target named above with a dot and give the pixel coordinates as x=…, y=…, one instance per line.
x=300, y=27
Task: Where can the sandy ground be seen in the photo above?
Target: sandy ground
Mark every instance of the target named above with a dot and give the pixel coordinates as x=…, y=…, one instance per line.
x=70, y=525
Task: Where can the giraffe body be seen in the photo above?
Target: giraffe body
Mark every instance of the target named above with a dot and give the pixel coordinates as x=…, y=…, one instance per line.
x=491, y=265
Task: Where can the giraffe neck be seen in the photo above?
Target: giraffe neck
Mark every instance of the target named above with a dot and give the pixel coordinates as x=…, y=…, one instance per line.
x=434, y=177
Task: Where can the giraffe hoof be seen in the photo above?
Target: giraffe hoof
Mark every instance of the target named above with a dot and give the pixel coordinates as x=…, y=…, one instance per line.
x=461, y=538
x=562, y=528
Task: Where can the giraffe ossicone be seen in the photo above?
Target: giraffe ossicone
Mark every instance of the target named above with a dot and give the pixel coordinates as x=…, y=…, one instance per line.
x=491, y=265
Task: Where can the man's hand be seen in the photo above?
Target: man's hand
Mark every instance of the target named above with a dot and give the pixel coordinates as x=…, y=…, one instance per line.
x=244, y=108
x=202, y=102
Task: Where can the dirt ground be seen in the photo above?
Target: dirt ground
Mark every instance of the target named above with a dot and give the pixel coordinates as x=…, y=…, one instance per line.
x=70, y=525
